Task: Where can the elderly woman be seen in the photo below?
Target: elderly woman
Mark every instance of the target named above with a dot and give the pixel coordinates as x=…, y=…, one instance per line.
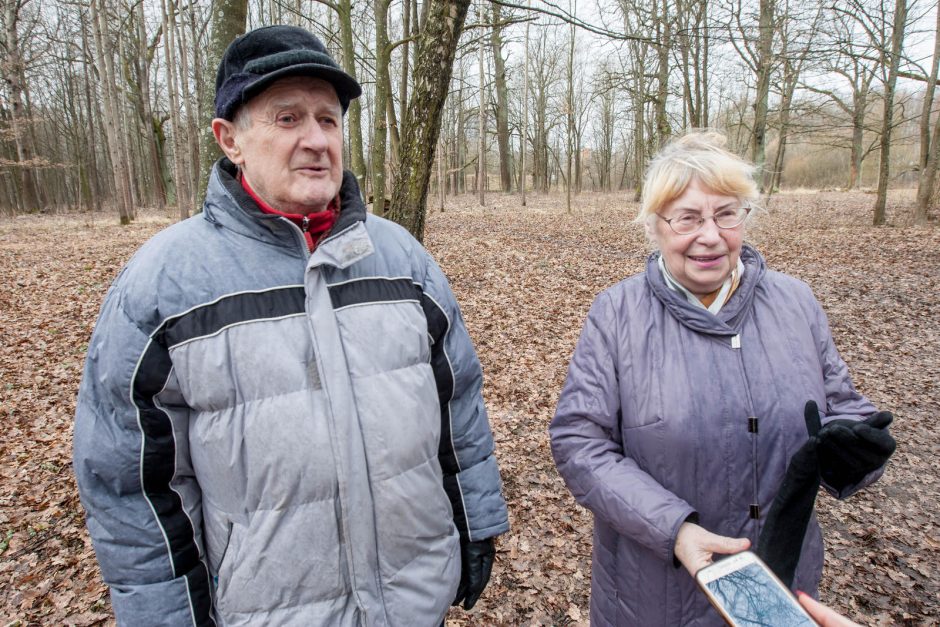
x=685, y=398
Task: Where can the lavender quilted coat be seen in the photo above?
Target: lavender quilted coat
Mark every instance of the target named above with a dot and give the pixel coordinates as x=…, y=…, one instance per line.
x=669, y=410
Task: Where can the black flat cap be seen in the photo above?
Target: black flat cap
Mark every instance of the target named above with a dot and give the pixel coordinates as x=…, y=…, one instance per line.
x=259, y=57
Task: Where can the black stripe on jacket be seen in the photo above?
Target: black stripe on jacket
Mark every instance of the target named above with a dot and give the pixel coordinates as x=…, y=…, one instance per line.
x=158, y=459
x=438, y=326
x=158, y=466
x=374, y=290
x=233, y=309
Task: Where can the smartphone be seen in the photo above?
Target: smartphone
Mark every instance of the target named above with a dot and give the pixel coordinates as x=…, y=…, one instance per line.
x=746, y=593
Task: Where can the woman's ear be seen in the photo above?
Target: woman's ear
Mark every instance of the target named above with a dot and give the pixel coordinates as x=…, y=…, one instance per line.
x=226, y=137
x=649, y=226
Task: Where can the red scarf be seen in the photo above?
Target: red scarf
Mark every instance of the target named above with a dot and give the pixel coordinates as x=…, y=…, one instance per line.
x=315, y=226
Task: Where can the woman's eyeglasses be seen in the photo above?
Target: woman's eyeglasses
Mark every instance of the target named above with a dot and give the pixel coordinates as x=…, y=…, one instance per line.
x=689, y=223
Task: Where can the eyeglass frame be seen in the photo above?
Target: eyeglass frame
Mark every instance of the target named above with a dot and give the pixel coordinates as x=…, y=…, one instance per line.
x=701, y=221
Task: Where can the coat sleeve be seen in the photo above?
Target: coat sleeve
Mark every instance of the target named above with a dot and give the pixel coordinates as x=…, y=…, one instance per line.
x=842, y=399
x=588, y=448
x=466, y=450
x=131, y=464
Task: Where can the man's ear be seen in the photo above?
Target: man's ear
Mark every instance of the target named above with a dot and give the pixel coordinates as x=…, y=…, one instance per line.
x=225, y=136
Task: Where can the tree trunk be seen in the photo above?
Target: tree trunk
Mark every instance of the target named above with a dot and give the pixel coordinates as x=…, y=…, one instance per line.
x=440, y=173
x=226, y=22
x=481, y=148
x=929, y=145
x=379, y=111
x=639, y=146
x=764, y=67
x=502, y=102
x=663, y=46
x=437, y=46
x=14, y=76
x=925, y=138
x=92, y=152
x=180, y=178
x=524, y=134
x=856, y=156
x=570, y=120
x=392, y=125
x=112, y=124
x=897, y=41
x=145, y=112
x=354, y=115
x=405, y=60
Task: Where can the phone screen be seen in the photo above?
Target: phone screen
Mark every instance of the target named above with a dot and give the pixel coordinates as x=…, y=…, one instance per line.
x=751, y=597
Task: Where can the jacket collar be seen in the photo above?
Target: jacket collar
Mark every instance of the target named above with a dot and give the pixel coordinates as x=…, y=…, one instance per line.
x=229, y=206
x=732, y=314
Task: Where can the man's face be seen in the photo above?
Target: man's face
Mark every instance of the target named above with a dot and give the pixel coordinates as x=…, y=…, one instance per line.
x=288, y=141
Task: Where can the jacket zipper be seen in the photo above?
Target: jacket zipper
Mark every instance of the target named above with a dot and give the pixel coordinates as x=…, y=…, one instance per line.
x=752, y=424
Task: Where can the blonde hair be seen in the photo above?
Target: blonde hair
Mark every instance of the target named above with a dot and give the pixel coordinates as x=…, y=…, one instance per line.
x=701, y=156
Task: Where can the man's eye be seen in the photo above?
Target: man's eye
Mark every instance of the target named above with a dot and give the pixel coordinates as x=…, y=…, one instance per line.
x=286, y=119
x=328, y=121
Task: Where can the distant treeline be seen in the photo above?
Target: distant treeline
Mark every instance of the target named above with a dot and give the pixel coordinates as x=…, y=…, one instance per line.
x=107, y=102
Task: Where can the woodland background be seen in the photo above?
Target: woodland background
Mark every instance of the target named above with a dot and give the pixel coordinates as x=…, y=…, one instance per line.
x=107, y=103
x=525, y=279
x=518, y=164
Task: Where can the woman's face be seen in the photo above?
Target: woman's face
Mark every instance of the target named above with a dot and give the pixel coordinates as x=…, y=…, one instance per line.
x=703, y=260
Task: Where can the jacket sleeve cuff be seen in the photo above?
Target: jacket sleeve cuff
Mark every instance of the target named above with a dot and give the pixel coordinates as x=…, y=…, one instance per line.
x=184, y=600
x=480, y=485
x=848, y=491
x=692, y=517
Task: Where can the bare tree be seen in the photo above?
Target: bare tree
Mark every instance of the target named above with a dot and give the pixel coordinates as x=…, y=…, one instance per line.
x=759, y=56
x=569, y=116
x=13, y=72
x=380, y=110
x=181, y=180
x=524, y=134
x=227, y=21
x=929, y=142
x=481, y=118
x=797, y=34
x=437, y=45
x=893, y=62
x=502, y=99
x=113, y=128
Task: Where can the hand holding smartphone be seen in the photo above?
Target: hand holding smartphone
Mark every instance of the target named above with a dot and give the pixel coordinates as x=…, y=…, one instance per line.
x=745, y=592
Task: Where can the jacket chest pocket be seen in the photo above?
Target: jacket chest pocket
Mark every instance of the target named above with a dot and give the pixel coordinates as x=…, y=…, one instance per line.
x=246, y=362
x=380, y=337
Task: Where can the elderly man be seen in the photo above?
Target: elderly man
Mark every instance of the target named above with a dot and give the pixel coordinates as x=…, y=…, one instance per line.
x=280, y=420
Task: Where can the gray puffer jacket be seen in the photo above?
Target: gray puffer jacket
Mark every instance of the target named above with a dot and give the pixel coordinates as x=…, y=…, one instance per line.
x=670, y=411
x=269, y=437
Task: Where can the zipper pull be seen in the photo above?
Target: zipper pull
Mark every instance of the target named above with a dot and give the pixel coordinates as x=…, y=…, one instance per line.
x=305, y=225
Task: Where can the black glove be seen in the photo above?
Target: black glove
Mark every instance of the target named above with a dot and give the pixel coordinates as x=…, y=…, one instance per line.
x=849, y=449
x=476, y=562
x=781, y=539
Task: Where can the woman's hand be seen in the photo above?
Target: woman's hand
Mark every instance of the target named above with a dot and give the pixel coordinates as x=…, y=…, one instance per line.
x=823, y=615
x=695, y=546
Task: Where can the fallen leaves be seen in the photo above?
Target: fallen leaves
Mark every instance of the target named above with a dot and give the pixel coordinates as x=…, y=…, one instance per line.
x=525, y=278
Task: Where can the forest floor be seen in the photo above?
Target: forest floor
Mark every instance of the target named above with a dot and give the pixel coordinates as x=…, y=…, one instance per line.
x=525, y=278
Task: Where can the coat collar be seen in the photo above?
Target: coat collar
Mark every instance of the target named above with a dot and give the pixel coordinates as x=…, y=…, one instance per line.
x=229, y=206
x=732, y=314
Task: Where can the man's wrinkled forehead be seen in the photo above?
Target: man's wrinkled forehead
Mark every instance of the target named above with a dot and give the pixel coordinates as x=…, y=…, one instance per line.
x=294, y=91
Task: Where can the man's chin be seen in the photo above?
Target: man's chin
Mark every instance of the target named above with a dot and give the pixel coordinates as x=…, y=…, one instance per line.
x=319, y=200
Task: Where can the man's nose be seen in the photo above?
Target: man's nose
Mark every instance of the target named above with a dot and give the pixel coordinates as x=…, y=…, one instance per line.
x=314, y=138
